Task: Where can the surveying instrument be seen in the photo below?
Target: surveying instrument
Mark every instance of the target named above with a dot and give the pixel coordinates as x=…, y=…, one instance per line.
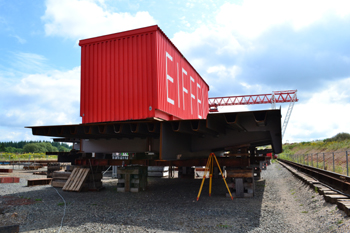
x=209, y=167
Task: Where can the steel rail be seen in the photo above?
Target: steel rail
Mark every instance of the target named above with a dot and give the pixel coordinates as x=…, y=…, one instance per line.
x=335, y=180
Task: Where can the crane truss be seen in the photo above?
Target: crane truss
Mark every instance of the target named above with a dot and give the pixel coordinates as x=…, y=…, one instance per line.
x=289, y=112
x=275, y=97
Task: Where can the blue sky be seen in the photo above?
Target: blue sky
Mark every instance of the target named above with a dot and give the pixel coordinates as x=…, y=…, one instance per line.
x=238, y=47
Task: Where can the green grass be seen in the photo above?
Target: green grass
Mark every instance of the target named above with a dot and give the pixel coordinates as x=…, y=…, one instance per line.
x=325, y=146
x=25, y=156
x=61, y=204
x=311, y=153
x=339, y=169
x=304, y=212
x=340, y=221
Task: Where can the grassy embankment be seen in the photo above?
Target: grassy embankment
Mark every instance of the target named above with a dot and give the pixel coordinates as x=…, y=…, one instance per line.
x=5, y=156
x=330, y=154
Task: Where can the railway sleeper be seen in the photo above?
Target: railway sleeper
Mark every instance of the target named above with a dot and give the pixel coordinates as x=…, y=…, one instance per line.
x=331, y=196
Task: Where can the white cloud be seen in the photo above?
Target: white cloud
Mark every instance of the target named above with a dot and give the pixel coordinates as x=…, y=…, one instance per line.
x=253, y=17
x=325, y=113
x=78, y=19
x=29, y=62
x=50, y=98
x=20, y=39
x=223, y=71
x=220, y=40
x=235, y=108
x=189, y=5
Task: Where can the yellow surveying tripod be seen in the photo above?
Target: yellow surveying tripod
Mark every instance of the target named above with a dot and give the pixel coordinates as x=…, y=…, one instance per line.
x=209, y=167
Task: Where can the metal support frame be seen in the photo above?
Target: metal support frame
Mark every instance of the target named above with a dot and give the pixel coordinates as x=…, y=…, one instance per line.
x=289, y=112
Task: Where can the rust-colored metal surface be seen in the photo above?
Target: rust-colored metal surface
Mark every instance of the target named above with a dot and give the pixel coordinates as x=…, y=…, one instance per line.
x=138, y=74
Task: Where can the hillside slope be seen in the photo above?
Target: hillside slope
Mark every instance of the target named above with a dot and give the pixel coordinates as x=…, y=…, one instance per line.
x=340, y=142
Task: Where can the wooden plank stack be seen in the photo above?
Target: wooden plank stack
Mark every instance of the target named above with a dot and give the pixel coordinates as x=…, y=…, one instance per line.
x=76, y=180
x=132, y=179
x=59, y=178
x=51, y=167
x=43, y=181
x=241, y=182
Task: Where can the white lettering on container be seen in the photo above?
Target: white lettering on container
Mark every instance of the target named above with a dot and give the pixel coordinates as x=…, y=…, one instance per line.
x=192, y=96
x=168, y=77
x=198, y=100
x=183, y=88
x=178, y=83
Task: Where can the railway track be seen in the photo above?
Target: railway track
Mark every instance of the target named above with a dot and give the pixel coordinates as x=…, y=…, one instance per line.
x=335, y=180
x=334, y=187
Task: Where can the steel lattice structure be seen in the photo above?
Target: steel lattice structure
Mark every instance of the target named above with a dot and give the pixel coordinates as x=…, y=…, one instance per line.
x=273, y=98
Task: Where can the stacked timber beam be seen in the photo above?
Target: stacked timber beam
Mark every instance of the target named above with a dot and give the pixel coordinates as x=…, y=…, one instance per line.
x=78, y=179
x=59, y=178
x=241, y=181
x=132, y=179
x=35, y=182
x=51, y=167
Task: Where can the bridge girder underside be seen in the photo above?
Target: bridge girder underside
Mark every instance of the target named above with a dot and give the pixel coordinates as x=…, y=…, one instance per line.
x=188, y=138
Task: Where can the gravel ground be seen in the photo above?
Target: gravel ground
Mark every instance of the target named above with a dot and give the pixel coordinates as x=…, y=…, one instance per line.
x=282, y=204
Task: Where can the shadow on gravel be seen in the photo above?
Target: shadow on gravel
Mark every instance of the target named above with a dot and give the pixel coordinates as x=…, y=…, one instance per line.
x=167, y=205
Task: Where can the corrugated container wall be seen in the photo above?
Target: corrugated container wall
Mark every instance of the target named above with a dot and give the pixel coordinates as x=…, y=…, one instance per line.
x=138, y=74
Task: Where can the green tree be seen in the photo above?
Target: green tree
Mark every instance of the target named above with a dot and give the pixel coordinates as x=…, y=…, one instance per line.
x=2, y=147
x=338, y=137
x=62, y=149
x=31, y=148
x=10, y=149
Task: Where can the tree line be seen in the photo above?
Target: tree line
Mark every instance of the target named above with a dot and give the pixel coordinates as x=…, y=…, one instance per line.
x=34, y=147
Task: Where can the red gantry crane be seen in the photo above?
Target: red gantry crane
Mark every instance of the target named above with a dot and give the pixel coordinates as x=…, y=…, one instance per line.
x=289, y=96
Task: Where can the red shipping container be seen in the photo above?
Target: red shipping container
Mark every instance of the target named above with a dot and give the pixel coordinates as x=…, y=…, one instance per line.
x=138, y=74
